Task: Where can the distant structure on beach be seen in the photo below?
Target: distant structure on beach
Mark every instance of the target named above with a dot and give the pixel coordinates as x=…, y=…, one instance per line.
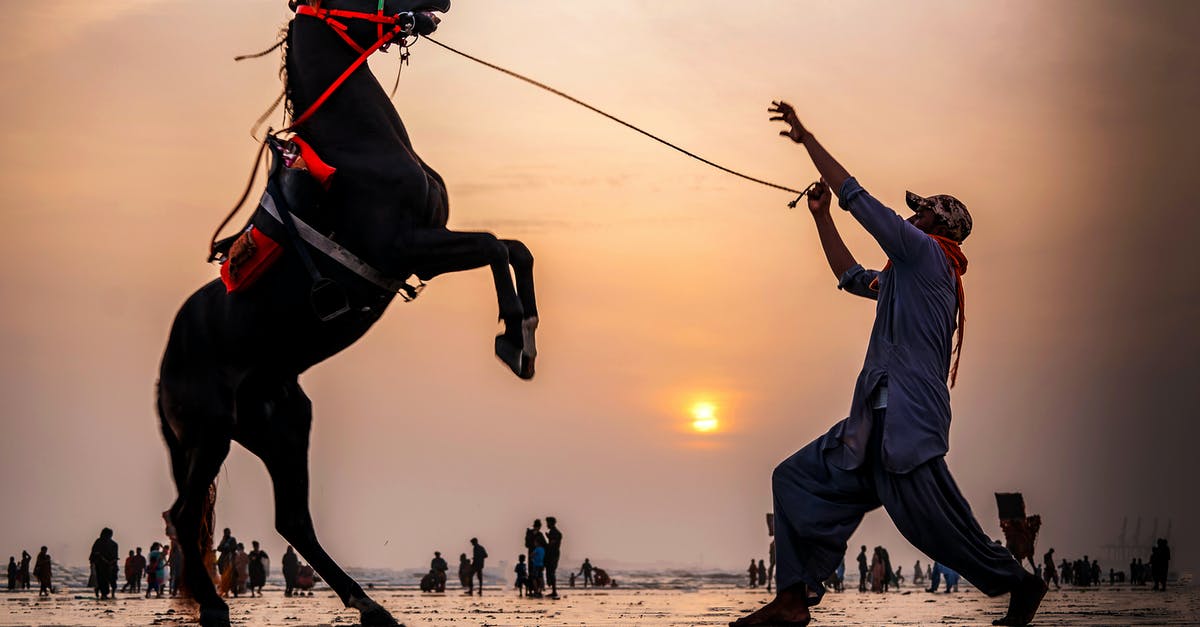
x=1128, y=547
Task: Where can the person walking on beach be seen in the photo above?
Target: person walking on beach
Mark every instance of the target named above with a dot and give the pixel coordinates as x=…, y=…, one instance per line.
x=1049, y=571
x=290, y=565
x=585, y=571
x=554, y=539
x=753, y=572
x=862, y=569
x=241, y=569
x=465, y=577
x=103, y=559
x=12, y=572
x=1160, y=560
x=174, y=567
x=23, y=570
x=41, y=570
x=771, y=566
x=762, y=573
x=478, y=555
x=890, y=450
x=154, y=571
x=258, y=569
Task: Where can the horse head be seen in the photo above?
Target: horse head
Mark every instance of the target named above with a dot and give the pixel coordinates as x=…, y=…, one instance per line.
x=423, y=14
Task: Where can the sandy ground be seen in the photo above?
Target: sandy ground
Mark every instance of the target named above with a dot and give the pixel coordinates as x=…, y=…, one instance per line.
x=1104, y=606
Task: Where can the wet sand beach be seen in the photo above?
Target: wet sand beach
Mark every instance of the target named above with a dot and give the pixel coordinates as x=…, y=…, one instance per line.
x=613, y=607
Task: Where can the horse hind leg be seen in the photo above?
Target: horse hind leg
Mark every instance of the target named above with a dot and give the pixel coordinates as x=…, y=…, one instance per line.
x=194, y=467
x=200, y=467
x=280, y=439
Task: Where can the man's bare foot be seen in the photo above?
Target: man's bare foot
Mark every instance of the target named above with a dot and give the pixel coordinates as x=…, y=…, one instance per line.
x=789, y=608
x=1024, y=601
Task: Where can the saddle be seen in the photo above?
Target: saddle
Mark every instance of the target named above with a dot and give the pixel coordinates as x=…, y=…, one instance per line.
x=301, y=177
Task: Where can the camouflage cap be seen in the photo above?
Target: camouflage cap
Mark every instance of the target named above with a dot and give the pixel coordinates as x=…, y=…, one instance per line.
x=949, y=210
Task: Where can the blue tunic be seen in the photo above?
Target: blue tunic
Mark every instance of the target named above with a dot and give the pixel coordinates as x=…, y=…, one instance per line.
x=910, y=344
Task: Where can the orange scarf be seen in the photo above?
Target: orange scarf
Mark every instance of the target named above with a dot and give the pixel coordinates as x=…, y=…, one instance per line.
x=958, y=262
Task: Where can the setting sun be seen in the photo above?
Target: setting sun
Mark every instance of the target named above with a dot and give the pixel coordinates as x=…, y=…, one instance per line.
x=704, y=417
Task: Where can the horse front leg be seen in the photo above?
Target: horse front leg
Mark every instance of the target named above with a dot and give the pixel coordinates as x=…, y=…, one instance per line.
x=521, y=261
x=432, y=252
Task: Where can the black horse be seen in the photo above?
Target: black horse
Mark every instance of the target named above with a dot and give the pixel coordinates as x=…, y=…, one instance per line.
x=230, y=369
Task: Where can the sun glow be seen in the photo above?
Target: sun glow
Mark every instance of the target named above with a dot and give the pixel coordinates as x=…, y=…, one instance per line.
x=704, y=417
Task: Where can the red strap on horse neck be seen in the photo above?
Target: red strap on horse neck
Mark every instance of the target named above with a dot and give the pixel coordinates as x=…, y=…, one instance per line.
x=397, y=22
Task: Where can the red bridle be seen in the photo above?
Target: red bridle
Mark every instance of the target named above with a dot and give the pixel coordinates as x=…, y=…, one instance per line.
x=402, y=24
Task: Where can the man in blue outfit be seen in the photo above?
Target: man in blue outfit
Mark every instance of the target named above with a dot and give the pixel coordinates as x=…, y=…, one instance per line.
x=890, y=451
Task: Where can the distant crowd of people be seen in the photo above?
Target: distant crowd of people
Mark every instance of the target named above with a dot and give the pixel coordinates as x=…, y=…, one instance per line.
x=18, y=573
x=536, y=570
x=234, y=571
x=1083, y=572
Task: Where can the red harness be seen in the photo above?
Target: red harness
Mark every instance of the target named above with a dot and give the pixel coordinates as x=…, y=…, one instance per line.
x=402, y=24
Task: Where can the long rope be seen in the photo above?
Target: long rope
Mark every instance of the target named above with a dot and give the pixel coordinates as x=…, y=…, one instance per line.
x=614, y=118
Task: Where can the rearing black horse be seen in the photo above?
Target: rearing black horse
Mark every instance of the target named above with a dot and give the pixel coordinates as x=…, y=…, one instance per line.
x=230, y=369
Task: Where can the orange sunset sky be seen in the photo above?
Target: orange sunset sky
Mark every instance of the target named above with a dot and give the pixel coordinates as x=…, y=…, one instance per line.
x=1068, y=128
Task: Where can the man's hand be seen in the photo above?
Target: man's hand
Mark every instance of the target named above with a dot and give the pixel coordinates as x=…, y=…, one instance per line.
x=788, y=114
x=819, y=199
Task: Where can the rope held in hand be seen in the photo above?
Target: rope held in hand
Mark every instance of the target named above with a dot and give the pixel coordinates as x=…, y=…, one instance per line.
x=614, y=119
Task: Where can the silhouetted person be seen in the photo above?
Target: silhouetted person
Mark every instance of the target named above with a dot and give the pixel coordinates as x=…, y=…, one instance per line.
x=537, y=568
x=572, y=582
x=174, y=567
x=1049, y=572
x=585, y=571
x=918, y=577
x=12, y=573
x=139, y=568
x=290, y=564
x=23, y=570
x=241, y=569
x=1096, y=572
x=226, y=547
x=890, y=577
x=522, y=571
x=104, y=558
x=478, y=555
x=862, y=569
x=753, y=573
x=42, y=570
x=762, y=573
x=771, y=565
x=155, y=570
x=532, y=536
x=465, y=576
x=258, y=569
x=439, y=568
x=554, y=539
x=951, y=580
x=890, y=450
x=1160, y=560
x=130, y=573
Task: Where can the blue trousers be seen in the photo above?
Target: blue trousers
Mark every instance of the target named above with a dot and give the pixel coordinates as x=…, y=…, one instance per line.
x=818, y=506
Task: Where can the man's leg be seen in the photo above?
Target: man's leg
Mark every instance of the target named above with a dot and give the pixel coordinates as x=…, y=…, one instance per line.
x=930, y=511
x=817, y=507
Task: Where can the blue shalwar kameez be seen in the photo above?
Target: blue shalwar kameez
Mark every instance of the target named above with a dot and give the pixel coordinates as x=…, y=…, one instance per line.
x=890, y=450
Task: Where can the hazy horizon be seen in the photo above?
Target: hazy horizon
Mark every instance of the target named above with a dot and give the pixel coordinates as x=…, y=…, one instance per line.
x=1067, y=127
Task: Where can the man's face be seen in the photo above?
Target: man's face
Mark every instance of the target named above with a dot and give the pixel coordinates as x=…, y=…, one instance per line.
x=924, y=220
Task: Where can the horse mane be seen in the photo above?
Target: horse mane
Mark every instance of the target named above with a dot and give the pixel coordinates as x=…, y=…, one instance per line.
x=286, y=35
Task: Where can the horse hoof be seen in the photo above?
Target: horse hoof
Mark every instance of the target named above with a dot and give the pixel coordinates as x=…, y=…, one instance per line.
x=528, y=329
x=514, y=357
x=214, y=617
x=376, y=616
